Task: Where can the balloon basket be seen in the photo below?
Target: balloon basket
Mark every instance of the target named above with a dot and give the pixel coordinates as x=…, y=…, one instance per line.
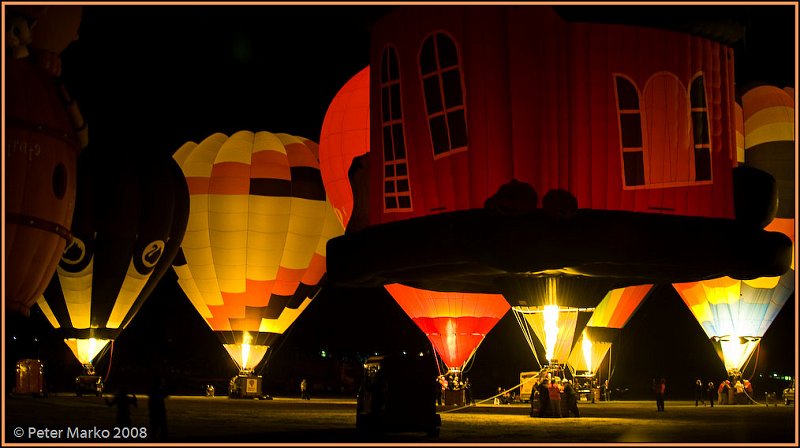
x=246, y=386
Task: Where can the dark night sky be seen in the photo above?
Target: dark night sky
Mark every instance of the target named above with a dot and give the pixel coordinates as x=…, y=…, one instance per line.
x=149, y=78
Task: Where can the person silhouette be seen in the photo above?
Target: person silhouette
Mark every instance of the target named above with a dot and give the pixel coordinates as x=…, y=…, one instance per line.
x=157, y=410
x=123, y=402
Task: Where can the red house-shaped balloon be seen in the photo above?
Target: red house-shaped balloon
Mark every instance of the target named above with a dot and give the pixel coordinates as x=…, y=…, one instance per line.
x=624, y=118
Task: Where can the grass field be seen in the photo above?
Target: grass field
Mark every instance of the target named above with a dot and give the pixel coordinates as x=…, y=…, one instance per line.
x=329, y=421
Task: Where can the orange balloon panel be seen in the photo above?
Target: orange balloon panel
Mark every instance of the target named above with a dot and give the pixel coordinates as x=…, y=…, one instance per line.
x=618, y=306
x=345, y=135
x=455, y=323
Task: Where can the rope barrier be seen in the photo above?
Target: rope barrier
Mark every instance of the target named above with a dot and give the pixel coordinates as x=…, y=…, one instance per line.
x=461, y=408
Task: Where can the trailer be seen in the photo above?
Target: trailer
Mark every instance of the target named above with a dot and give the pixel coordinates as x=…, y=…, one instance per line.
x=30, y=378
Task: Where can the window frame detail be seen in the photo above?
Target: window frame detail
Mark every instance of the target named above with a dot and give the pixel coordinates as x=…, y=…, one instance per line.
x=701, y=150
x=447, y=121
x=631, y=151
x=396, y=184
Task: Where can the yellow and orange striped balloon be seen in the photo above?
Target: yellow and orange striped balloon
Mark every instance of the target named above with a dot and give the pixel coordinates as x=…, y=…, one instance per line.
x=254, y=251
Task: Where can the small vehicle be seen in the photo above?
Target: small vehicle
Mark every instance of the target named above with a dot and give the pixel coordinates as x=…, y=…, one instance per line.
x=398, y=394
x=586, y=386
x=89, y=385
x=788, y=394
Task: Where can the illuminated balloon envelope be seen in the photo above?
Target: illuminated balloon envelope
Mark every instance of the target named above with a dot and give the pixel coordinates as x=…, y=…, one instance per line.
x=345, y=135
x=129, y=221
x=735, y=314
x=254, y=252
x=548, y=309
x=455, y=323
x=552, y=325
x=607, y=321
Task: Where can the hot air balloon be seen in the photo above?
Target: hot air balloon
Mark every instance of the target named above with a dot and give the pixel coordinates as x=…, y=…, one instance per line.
x=130, y=218
x=455, y=323
x=553, y=326
x=254, y=252
x=768, y=120
x=735, y=314
x=619, y=162
x=555, y=311
x=44, y=134
x=344, y=136
x=602, y=331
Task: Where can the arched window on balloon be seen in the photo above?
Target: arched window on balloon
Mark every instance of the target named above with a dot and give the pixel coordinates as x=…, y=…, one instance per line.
x=396, y=189
x=630, y=124
x=444, y=94
x=702, y=142
x=664, y=132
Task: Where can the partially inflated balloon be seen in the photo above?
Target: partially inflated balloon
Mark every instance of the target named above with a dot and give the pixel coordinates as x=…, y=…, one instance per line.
x=345, y=135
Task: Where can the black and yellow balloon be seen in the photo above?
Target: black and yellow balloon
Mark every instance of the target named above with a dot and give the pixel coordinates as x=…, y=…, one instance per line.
x=130, y=217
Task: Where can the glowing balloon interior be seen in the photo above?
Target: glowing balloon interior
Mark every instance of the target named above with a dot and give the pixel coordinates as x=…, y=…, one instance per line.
x=735, y=314
x=455, y=323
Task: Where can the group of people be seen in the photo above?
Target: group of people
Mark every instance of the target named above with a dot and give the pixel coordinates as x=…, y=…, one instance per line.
x=548, y=393
x=452, y=381
x=726, y=393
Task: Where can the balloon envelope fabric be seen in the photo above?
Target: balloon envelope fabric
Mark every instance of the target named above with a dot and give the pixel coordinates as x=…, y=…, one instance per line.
x=345, y=135
x=259, y=221
x=735, y=314
x=455, y=323
x=608, y=318
x=127, y=228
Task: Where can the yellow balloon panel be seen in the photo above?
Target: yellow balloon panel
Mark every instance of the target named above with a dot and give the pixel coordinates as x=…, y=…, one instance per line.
x=131, y=287
x=48, y=313
x=769, y=133
x=282, y=323
x=566, y=323
x=77, y=289
x=189, y=287
x=266, y=141
x=597, y=353
x=85, y=350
